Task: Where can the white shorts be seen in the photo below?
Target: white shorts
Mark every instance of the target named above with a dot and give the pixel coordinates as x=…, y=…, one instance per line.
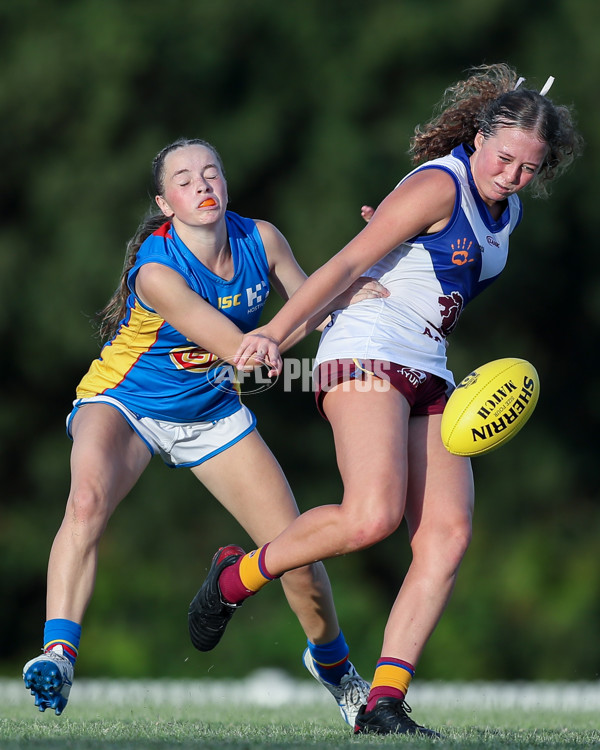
x=179, y=445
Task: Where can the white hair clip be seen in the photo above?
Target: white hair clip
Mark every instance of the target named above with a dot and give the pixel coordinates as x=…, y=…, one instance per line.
x=547, y=86
x=518, y=83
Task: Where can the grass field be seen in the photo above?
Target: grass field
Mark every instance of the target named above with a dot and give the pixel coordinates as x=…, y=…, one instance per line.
x=269, y=710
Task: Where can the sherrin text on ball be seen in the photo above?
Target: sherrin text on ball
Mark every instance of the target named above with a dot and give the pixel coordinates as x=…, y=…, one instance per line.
x=490, y=406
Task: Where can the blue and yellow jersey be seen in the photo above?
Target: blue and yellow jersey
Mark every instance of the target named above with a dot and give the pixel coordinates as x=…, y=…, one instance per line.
x=151, y=367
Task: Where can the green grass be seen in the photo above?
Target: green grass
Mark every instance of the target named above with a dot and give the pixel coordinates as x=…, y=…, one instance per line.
x=139, y=725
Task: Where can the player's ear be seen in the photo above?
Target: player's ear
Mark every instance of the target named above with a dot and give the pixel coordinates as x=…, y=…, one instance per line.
x=478, y=140
x=164, y=206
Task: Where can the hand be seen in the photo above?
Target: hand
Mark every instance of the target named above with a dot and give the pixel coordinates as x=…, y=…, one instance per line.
x=367, y=212
x=363, y=288
x=263, y=349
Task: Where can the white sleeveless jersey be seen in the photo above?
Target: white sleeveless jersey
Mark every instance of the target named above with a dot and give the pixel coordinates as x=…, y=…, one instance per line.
x=430, y=279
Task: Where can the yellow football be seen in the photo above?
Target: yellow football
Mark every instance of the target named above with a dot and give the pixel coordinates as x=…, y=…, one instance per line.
x=490, y=406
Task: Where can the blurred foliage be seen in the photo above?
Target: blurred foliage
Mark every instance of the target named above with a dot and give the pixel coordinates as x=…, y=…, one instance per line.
x=311, y=104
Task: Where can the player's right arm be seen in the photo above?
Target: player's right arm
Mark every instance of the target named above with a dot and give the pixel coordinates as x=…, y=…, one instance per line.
x=422, y=203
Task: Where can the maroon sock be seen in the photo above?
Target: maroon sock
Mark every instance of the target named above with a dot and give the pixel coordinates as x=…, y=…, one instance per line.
x=380, y=692
x=230, y=583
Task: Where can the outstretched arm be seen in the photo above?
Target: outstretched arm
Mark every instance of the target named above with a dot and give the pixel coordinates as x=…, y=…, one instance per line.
x=286, y=277
x=424, y=202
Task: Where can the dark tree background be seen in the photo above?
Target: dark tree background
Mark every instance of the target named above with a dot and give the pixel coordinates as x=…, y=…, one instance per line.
x=311, y=104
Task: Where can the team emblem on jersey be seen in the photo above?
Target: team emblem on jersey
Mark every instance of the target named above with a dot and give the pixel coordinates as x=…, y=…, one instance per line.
x=460, y=256
x=451, y=306
x=192, y=358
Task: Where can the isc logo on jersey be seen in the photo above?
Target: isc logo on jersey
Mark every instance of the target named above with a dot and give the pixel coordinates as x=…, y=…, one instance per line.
x=231, y=301
x=255, y=297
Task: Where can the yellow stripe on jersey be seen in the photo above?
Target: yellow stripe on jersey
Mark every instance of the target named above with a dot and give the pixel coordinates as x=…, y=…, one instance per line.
x=132, y=340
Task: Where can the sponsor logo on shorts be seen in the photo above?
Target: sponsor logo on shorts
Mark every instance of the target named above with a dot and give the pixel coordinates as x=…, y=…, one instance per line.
x=414, y=377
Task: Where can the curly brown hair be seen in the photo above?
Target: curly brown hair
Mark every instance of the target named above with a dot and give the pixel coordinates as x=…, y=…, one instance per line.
x=485, y=102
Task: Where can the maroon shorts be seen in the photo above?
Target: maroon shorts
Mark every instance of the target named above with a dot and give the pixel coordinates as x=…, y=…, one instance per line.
x=427, y=394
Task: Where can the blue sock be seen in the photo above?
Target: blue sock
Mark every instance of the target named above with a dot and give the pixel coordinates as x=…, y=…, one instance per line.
x=65, y=633
x=331, y=659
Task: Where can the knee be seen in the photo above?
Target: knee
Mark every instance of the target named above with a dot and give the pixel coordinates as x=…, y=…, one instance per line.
x=458, y=539
x=88, y=510
x=445, y=544
x=371, y=527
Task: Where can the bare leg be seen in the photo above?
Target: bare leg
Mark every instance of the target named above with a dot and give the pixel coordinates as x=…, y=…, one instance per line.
x=371, y=432
x=438, y=512
x=375, y=446
x=249, y=483
x=107, y=459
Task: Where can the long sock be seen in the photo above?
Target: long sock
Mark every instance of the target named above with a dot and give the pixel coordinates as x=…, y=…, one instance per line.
x=245, y=577
x=331, y=659
x=65, y=633
x=392, y=678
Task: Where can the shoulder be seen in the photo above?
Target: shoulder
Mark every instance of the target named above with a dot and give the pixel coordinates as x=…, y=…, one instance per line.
x=455, y=167
x=274, y=242
x=156, y=242
x=267, y=230
x=162, y=248
x=430, y=191
x=431, y=177
x=155, y=274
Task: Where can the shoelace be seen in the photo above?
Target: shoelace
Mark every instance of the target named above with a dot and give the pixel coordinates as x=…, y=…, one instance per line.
x=55, y=656
x=353, y=687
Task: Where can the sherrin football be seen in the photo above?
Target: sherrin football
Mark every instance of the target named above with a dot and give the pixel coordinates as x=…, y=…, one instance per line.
x=490, y=406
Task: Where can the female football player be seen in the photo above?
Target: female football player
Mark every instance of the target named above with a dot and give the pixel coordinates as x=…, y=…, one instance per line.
x=435, y=242
x=196, y=276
